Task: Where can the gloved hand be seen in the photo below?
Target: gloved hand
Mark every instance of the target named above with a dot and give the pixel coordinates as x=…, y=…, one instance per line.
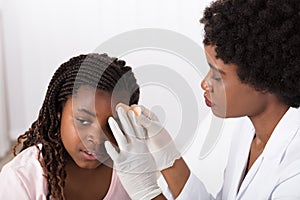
x=134, y=164
x=159, y=142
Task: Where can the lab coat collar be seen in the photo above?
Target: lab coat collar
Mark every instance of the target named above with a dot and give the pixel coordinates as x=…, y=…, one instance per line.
x=275, y=148
x=282, y=135
x=242, y=145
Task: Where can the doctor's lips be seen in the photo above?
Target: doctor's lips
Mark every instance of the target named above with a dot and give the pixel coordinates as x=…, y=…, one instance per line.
x=208, y=102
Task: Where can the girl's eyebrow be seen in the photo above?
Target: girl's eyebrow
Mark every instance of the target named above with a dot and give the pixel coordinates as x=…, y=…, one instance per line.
x=214, y=68
x=86, y=112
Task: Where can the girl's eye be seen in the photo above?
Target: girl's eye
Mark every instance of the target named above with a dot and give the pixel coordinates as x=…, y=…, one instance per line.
x=83, y=121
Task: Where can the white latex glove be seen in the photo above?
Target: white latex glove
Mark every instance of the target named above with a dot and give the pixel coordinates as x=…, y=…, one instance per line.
x=134, y=164
x=159, y=142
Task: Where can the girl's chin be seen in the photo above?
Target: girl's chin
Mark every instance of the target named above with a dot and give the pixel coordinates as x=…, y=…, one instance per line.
x=95, y=164
x=89, y=165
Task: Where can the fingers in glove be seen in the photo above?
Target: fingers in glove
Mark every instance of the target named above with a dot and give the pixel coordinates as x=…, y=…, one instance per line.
x=152, y=128
x=143, y=121
x=146, y=112
x=110, y=149
x=140, y=131
x=125, y=122
x=118, y=134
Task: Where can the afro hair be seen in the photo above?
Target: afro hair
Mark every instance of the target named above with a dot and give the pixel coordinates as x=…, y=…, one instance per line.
x=262, y=37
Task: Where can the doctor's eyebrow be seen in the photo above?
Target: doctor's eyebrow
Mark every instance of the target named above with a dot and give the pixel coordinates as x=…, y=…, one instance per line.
x=216, y=69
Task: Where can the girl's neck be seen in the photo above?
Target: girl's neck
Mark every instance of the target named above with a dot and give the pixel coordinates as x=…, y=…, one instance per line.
x=87, y=183
x=71, y=165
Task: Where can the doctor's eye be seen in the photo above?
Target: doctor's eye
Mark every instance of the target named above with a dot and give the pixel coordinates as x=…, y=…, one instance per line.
x=216, y=78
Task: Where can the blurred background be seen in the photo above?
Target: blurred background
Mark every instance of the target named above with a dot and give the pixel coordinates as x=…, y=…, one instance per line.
x=36, y=36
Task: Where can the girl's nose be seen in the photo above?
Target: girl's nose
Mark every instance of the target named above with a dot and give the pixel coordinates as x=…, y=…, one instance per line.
x=93, y=136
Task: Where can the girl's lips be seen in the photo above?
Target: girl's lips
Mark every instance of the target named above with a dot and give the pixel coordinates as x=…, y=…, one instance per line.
x=89, y=155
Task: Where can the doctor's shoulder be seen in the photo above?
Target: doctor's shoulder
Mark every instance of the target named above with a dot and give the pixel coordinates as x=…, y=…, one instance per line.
x=289, y=172
x=292, y=151
x=290, y=140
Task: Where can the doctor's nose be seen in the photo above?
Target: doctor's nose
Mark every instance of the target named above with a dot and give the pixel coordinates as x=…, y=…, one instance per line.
x=205, y=84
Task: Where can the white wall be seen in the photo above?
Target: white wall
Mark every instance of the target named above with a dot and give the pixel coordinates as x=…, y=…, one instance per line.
x=4, y=132
x=40, y=35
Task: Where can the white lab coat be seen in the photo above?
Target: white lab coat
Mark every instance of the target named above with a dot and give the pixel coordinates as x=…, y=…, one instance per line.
x=274, y=175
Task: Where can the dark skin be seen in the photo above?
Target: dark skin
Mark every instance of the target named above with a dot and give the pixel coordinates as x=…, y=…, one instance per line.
x=176, y=177
x=264, y=125
x=232, y=98
x=222, y=88
x=87, y=183
x=84, y=129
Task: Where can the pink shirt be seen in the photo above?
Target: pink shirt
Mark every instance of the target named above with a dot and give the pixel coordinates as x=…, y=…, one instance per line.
x=22, y=178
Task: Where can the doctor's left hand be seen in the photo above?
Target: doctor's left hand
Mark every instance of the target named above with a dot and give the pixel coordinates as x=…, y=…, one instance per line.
x=134, y=164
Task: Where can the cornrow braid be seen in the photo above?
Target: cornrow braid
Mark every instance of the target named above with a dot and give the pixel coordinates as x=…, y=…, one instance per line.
x=96, y=70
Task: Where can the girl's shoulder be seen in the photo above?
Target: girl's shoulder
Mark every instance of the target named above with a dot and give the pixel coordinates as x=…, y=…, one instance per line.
x=25, y=175
x=26, y=158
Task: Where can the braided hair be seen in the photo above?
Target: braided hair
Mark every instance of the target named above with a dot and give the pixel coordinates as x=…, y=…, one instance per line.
x=96, y=70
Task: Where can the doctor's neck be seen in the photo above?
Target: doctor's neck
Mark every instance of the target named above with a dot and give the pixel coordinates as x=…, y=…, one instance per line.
x=265, y=122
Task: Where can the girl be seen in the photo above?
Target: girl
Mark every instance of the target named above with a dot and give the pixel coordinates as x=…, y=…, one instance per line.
x=62, y=154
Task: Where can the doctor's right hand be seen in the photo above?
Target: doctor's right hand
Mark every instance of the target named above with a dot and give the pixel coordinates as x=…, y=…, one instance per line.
x=134, y=164
x=155, y=139
x=158, y=140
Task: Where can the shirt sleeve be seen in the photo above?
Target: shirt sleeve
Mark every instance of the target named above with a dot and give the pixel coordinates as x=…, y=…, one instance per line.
x=11, y=185
x=164, y=187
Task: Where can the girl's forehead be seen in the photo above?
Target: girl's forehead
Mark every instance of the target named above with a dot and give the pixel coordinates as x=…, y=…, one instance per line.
x=98, y=100
x=93, y=107
x=90, y=90
x=89, y=95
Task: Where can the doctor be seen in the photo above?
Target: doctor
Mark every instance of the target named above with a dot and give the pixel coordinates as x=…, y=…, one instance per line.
x=253, y=50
